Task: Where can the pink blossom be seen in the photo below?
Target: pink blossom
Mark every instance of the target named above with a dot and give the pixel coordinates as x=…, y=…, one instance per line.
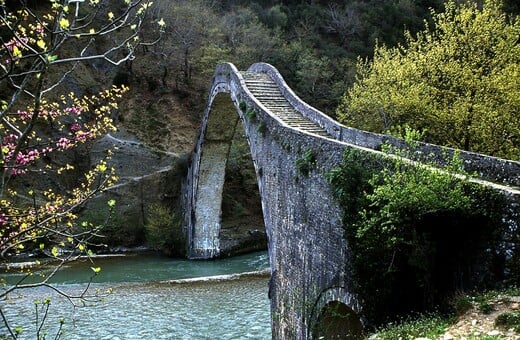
x=82, y=136
x=74, y=110
x=64, y=143
x=49, y=114
x=10, y=138
x=18, y=171
x=24, y=115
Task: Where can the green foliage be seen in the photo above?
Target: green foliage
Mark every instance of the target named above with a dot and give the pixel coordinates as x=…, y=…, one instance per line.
x=163, y=230
x=486, y=308
x=407, y=133
x=425, y=326
x=403, y=219
x=402, y=194
x=251, y=114
x=262, y=128
x=350, y=182
x=243, y=33
x=276, y=17
x=509, y=320
x=313, y=44
x=462, y=304
x=306, y=163
x=458, y=80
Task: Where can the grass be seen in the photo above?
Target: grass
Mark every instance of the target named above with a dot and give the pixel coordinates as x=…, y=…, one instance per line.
x=482, y=300
x=509, y=320
x=433, y=325
x=429, y=326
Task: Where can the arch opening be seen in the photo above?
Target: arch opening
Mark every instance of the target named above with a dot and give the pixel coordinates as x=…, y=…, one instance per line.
x=242, y=224
x=228, y=202
x=337, y=321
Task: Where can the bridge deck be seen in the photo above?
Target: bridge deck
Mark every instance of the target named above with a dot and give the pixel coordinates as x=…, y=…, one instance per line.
x=265, y=89
x=268, y=93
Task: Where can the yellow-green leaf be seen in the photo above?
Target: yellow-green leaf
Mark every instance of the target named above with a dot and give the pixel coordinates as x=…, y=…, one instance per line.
x=41, y=44
x=51, y=58
x=16, y=52
x=64, y=23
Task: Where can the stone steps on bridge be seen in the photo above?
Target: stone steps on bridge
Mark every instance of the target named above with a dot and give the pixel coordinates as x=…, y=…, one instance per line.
x=268, y=93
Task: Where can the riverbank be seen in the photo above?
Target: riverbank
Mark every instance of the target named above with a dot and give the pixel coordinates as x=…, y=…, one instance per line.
x=488, y=316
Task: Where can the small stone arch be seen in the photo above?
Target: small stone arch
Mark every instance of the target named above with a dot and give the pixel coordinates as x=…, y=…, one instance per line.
x=336, y=315
x=218, y=134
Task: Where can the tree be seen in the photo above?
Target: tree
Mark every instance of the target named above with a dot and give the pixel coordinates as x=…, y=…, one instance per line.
x=344, y=22
x=244, y=33
x=457, y=80
x=41, y=45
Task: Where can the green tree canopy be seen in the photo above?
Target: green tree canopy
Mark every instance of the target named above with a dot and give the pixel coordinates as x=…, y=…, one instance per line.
x=458, y=80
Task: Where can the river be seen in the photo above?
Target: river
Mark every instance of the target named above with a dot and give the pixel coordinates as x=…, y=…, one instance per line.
x=153, y=297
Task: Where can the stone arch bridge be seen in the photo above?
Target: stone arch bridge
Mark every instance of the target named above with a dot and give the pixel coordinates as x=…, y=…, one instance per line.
x=307, y=250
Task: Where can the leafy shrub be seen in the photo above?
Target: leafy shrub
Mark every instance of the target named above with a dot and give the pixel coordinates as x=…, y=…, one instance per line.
x=413, y=230
x=509, y=320
x=306, y=163
x=437, y=81
x=251, y=114
x=163, y=230
x=462, y=304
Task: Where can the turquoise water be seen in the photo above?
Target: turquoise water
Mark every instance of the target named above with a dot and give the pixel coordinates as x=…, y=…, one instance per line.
x=147, y=300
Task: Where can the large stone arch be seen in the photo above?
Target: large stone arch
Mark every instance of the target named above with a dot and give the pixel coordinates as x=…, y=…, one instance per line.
x=307, y=249
x=299, y=209
x=206, y=176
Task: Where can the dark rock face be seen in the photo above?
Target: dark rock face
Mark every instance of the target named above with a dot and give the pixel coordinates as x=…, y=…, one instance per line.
x=148, y=178
x=242, y=240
